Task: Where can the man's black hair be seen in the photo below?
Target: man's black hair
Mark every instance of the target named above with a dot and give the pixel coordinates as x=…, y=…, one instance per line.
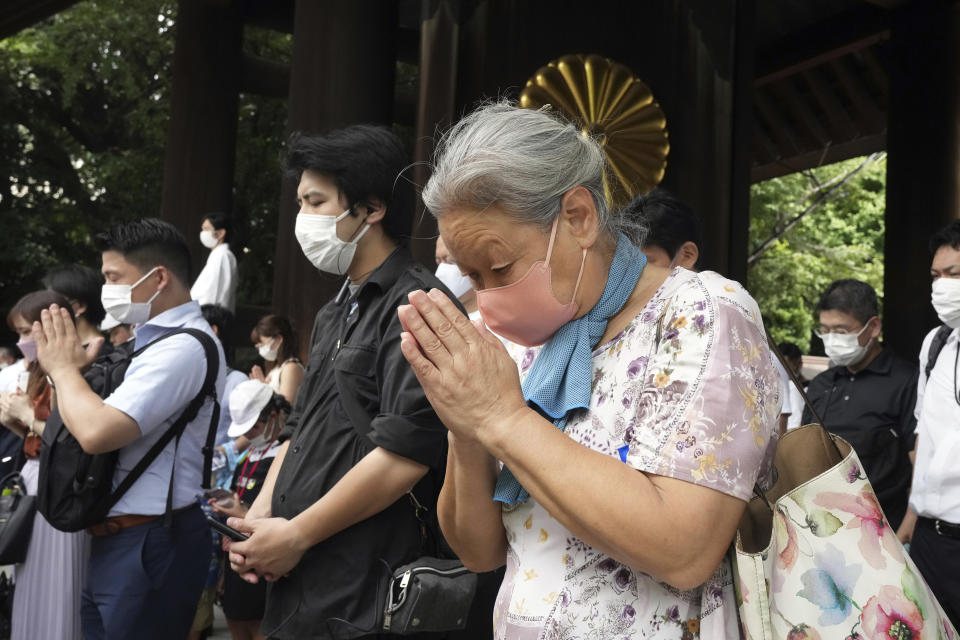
x=669, y=221
x=80, y=283
x=949, y=236
x=850, y=296
x=148, y=243
x=219, y=220
x=789, y=350
x=220, y=317
x=365, y=162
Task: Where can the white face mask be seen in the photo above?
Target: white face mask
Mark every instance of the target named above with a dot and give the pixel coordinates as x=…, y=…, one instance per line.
x=268, y=352
x=116, y=299
x=264, y=437
x=946, y=300
x=845, y=349
x=450, y=276
x=208, y=240
x=317, y=235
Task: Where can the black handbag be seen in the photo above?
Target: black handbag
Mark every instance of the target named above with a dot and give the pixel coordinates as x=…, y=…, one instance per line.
x=17, y=511
x=430, y=594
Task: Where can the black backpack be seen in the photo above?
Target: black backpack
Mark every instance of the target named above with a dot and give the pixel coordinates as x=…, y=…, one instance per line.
x=75, y=489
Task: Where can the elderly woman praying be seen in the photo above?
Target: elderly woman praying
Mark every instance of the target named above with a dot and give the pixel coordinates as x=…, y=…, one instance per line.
x=607, y=458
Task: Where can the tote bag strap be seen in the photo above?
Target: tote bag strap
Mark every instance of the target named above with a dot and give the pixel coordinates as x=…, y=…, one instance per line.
x=793, y=377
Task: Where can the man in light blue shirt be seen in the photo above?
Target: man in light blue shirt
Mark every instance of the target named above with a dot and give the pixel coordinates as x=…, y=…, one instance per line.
x=144, y=578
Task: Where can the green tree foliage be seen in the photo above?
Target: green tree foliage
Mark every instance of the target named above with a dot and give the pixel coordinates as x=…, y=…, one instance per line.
x=85, y=97
x=841, y=236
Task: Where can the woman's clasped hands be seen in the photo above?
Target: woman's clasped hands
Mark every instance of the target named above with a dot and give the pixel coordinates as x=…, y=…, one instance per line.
x=464, y=369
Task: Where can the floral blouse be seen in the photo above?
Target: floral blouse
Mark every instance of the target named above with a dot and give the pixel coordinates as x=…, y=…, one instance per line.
x=688, y=390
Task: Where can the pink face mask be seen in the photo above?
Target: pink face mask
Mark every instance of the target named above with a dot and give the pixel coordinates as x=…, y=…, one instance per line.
x=526, y=312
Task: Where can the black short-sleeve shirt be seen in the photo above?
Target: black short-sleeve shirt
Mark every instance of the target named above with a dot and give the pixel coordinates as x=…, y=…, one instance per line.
x=873, y=411
x=358, y=393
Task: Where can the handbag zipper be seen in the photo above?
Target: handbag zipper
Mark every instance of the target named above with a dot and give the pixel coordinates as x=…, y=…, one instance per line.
x=405, y=580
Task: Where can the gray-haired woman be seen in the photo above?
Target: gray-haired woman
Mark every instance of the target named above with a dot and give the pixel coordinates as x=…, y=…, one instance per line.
x=629, y=440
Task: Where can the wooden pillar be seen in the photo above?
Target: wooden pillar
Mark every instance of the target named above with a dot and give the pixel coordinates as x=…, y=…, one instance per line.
x=201, y=140
x=439, y=35
x=923, y=167
x=342, y=73
x=741, y=122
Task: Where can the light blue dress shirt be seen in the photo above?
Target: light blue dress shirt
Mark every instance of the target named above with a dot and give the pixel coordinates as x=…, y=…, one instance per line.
x=158, y=386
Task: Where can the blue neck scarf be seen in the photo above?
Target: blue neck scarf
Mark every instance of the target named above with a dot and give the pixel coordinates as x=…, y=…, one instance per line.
x=560, y=380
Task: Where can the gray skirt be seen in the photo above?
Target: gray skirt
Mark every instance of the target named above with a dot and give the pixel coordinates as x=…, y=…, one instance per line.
x=49, y=583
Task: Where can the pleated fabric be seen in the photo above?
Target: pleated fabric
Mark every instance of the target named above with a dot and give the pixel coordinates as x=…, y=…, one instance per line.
x=49, y=583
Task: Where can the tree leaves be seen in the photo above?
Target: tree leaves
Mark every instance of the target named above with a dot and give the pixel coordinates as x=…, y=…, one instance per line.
x=842, y=238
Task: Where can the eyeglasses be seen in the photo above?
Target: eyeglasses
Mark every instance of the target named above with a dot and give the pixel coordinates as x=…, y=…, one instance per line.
x=841, y=332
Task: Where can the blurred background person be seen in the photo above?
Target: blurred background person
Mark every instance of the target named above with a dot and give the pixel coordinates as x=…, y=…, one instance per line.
x=794, y=358
x=225, y=456
x=118, y=333
x=259, y=415
x=460, y=286
x=8, y=356
x=217, y=282
x=46, y=601
x=668, y=232
x=276, y=342
x=81, y=286
x=868, y=394
x=10, y=372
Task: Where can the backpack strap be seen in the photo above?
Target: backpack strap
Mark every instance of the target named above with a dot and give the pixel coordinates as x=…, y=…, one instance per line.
x=936, y=346
x=176, y=430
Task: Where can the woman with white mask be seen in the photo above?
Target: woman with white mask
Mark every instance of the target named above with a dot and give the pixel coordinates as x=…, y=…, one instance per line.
x=50, y=581
x=276, y=342
x=217, y=282
x=258, y=415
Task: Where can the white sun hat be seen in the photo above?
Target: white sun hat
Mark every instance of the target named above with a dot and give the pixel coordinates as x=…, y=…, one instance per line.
x=247, y=401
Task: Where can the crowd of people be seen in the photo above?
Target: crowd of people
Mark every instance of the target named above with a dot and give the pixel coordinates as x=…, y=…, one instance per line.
x=568, y=404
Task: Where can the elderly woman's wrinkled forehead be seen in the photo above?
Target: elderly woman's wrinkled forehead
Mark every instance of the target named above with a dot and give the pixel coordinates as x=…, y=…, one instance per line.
x=482, y=238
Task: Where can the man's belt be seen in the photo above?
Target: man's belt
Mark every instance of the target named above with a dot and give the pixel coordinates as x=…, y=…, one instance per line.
x=943, y=528
x=116, y=524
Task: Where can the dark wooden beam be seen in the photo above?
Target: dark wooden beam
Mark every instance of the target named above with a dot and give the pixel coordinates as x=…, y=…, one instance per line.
x=818, y=157
x=439, y=50
x=201, y=139
x=923, y=193
x=264, y=77
x=888, y=4
x=276, y=15
x=851, y=30
x=823, y=57
x=844, y=128
x=799, y=108
x=870, y=114
x=764, y=149
x=737, y=225
x=775, y=124
x=875, y=70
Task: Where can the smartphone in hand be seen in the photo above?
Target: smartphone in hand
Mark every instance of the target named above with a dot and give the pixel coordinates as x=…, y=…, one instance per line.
x=223, y=528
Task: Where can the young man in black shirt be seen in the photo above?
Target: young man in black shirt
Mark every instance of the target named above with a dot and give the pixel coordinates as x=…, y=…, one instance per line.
x=361, y=435
x=867, y=397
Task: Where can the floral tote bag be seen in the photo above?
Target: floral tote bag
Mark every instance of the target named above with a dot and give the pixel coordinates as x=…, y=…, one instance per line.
x=815, y=558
